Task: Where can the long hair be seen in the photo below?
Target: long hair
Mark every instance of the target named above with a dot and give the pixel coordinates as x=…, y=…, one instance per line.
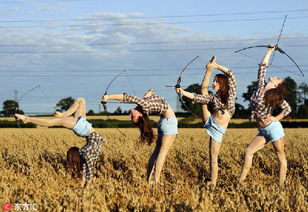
x=224, y=87
x=275, y=96
x=74, y=162
x=145, y=127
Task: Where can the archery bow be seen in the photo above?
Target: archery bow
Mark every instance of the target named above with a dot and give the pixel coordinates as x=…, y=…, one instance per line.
x=17, y=108
x=105, y=103
x=178, y=85
x=276, y=48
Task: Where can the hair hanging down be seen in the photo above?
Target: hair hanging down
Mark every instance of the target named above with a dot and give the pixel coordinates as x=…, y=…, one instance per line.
x=74, y=162
x=145, y=127
x=223, y=88
x=275, y=96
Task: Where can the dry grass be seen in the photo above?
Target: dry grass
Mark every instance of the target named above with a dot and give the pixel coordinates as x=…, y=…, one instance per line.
x=33, y=172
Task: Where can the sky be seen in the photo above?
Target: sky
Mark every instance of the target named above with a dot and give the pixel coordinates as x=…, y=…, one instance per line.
x=76, y=47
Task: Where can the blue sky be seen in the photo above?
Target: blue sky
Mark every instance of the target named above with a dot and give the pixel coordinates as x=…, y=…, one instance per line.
x=75, y=47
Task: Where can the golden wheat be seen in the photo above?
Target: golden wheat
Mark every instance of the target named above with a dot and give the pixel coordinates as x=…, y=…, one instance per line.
x=35, y=173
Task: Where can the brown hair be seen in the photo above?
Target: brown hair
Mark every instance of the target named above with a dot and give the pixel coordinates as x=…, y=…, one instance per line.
x=145, y=127
x=74, y=162
x=224, y=87
x=275, y=96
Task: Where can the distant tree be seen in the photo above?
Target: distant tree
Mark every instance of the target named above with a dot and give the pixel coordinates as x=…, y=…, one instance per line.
x=241, y=112
x=91, y=112
x=291, y=98
x=195, y=108
x=65, y=103
x=302, y=111
x=118, y=111
x=303, y=93
x=250, y=90
x=9, y=108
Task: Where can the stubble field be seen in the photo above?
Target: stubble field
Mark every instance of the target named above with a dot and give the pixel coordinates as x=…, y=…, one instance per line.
x=35, y=173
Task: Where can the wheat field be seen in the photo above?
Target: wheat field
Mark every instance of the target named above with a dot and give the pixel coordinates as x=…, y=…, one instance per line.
x=34, y=172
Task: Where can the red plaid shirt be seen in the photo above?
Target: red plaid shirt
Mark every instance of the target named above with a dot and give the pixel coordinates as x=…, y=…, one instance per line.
x=215, y=100
x=258, y=108
x=153, y=104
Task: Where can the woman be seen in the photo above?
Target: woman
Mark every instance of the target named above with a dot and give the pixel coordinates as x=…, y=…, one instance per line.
x=217, y=109
x=81, y=161
x=263, y=102
x=167, y=127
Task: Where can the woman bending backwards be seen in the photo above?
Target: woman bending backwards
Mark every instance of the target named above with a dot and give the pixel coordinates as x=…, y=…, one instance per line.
x=217, y=109
x=81, y=161
x=263, y=102
x=167, y=127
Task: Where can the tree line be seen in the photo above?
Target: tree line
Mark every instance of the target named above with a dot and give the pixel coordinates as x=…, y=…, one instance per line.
x=297, y=98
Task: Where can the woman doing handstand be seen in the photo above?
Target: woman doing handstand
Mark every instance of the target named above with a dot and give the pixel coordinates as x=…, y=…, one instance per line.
x=82, y=160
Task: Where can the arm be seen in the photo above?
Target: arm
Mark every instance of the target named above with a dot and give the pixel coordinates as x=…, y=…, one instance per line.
x=286, y=110
x=185, y=93
x=232, y=87
x=119, y=97
x=264, y=65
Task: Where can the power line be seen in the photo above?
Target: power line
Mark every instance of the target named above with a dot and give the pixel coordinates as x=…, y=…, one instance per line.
x=149, y=23
x=152, y=43
x=156, y=17
x=133, y=50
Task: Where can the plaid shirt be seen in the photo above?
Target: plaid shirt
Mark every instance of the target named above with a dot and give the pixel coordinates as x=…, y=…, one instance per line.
x=89, y=153
x=258, y=108
x=215, y=101
x=153, y=104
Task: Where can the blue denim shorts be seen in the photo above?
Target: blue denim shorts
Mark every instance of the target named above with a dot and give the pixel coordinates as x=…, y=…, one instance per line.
x=214, y=130
x=82, y=127
x=167, y=126
x=272, y=132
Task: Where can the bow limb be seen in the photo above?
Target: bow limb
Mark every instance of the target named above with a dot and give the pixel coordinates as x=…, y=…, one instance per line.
x=17, y=108
x=283, y=52
x=178, y=85
x=105, y=103
x=250, y=47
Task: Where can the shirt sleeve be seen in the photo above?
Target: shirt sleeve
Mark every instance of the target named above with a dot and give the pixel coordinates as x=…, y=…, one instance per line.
x=232, y=88
x=286, y=109
x=134, y=99
x=261, y=75
x=203, y=99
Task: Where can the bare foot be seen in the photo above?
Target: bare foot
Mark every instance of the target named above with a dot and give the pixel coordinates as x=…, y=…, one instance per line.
x=58, y=114
x=212, y=64
x=23, y=118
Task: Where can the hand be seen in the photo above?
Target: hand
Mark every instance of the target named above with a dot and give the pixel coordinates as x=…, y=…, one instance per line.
x=104, y=99
x=211, y=64
x=272, y=47
x=270, y=118
x=178, y=90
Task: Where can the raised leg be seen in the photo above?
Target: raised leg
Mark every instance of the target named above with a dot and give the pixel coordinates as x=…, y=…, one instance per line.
x=205, y=85
x=79, y=108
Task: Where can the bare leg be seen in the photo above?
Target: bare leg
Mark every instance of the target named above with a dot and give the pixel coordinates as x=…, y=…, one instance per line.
x=79, y=108
x=257, y=144
x=64, y=122
x=214, y=151
x=167, y=141
x=152, y=160
x=204, y=86
x=279, y=148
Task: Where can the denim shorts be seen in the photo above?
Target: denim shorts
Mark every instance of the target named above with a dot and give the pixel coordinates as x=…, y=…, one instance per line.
x=273, y=132
x=82, y=127
x=214, y=130
x=167, y=126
